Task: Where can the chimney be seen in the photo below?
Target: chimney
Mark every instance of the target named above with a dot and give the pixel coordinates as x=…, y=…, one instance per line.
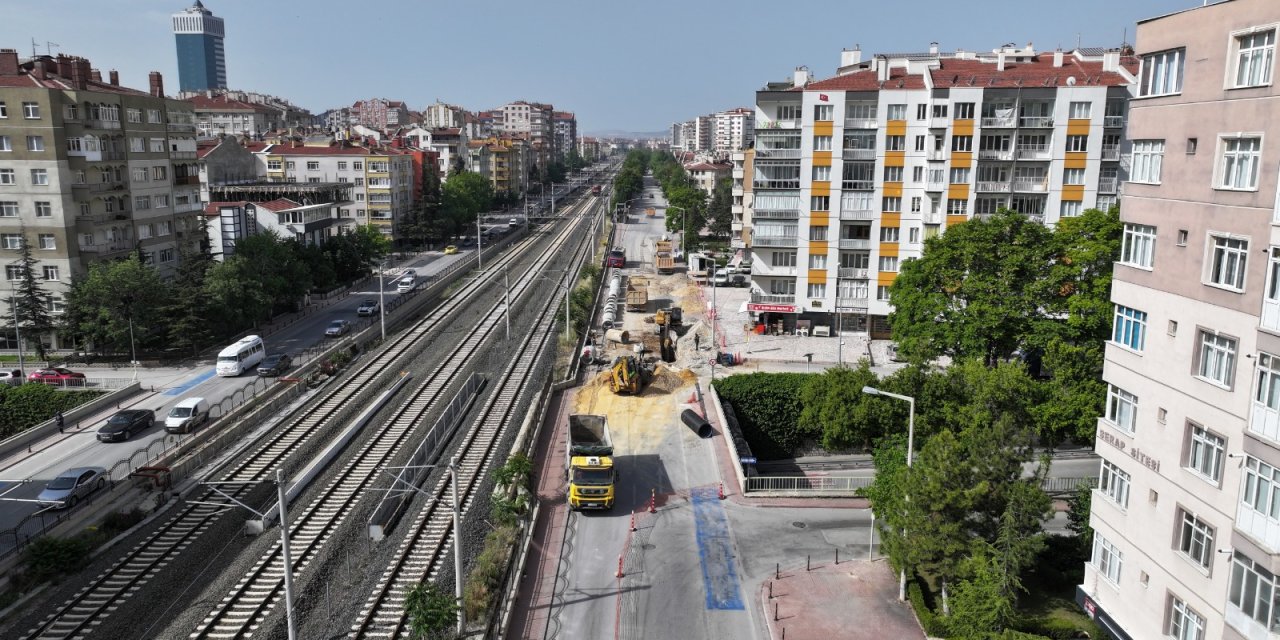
x=1111, y=60
x=64, y=65
x=8, y=62
x=1057, y=57
x=37, y=70
x=78, y=80
x=95, y=75
x=115, y=77
x=157, y=84
x=1000, y=60
x=933, y=48
x=801, y=77
x=850, y=57
x=882, y=69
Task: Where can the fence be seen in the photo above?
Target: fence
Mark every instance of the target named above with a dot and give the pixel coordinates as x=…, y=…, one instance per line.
x=847, y=486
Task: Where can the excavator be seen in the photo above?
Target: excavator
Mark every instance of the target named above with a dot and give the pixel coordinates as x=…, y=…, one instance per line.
x=670, y=317
x=629, y=375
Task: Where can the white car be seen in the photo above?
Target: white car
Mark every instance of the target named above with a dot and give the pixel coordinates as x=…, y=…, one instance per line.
x=11, y=377
x=367, y=308
x=406, y=284
x=721, y=278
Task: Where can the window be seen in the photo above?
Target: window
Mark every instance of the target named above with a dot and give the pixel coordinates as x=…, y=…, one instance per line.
x=892, y=204
x=1107, y=559
x=785, y=112
x=1079, y=110
x=1122, y=408
x=134, y=115
x=939, y=111
x=783, y=258
x=359, y=213
x=913, y=235
x=5, y=144
x=6, y=177
x=818, y=234
x=1192, y=143
x=893, y=174
x=1161, y=73
x=13, y=272
x=1204, y=453
x=359, y=166
x=144, y=231
x=988, y=205
x=1217, y=358
x=31, y=110
x=915, y=202
x=1073, y=176
x=1195, y=539
x=889, y=264
x=960, y=176
x=313, y=165
x=141, y=203
x=964, y=111
x=8, y=209
x=137, y=145
x=1148, y=155
x=962, y=143
x=919, y=143
x=896, y=112
x=50, y=273
x=35, y=143
x=1070, y=208
x=274, y=165
x=44, y=209
x=895, y=143
x=289, y=165
x=140, y=174
x=153, y=116
x=1184, y=622
x=1138, y=246
x=822, y=143
x=823, y=112
x=1077, y=144
x=360, y=182
x=817, y=261
x=157, y=145
x=1254, y=57
x=4, y=111
x=342, y=166
x=315, y=179
x=820, y=203
x=922, y=111
x=817, y=290
x=1182, y=237
x=889, y=234
x=166, y=255
x=359, y=197
x=40, y=177
x=1114, y=483
x=1227, y=262
x=822, y=174
x=1261, y=488
x=159, y=173
x=957, y=207
x=1240, y=159
x=47, y=241
x=1253, y=591
x=160, y=201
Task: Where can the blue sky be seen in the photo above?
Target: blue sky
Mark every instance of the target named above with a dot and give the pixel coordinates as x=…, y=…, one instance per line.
x=620, y=65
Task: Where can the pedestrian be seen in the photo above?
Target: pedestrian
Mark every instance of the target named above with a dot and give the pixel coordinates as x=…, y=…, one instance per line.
x=57, y=417
x=697, y=342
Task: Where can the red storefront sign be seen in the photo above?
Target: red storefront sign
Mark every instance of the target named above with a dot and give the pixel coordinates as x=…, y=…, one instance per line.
x=771, y=308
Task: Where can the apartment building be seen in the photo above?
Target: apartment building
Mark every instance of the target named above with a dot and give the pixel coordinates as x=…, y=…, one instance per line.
x=732, y=130
x=743, y=198
x=1186, y=519
x=380, y=113
x=852, y=173
x=503, y=161
x=90, y=170
x=382, y=177
x=566, y=126
x=705, y=175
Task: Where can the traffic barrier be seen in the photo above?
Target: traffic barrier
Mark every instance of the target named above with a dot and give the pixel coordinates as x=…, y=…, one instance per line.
x=722, y=491
x=653, y=501
x=633, y=526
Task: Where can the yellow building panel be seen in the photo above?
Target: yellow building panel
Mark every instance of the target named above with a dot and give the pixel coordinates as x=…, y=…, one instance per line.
x=958, y=192
x=817, y=247
x=961, y=159
x=1075, y=160
x=888, y=248
x=1078, y=127
x=962, y=128
x=895, y=128
x=817, y=276
x=955, y=220
x=886, y=278
x=1073, y=192
x=892, y=189
x=820, y=188
x=890, y=219
x=823, y=128
x=895, y=158
x=819, y=218
x=822, y=158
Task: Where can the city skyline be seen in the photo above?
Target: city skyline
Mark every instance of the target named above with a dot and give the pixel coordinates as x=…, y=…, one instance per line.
x=613, y=83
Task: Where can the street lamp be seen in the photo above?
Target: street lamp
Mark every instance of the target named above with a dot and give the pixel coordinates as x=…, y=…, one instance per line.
x=382, y=304
x=911, y=433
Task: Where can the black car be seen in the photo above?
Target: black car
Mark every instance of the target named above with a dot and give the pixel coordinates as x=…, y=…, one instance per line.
x=124, y=424
x=274, y=364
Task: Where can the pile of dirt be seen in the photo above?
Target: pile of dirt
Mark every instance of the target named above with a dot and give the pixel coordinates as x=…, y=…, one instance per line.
x=667, y=380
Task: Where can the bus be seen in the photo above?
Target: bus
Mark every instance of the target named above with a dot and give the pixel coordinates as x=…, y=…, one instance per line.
x=241, y=356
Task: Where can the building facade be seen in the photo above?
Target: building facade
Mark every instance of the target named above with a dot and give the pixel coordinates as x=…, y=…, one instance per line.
x=733, y=130
x=1186, y=519
x=743, y=198
x=853, y=173
x=202, y=63
x=566, y=125
x=380, y=113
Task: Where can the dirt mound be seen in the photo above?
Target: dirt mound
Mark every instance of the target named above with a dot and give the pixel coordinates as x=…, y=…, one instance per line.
x=667, y=380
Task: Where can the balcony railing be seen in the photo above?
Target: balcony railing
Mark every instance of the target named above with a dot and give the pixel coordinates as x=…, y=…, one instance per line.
x=1108, y=185
x=993, y=186
x=776, y=214
x=776, y=241
x=931, y=217
x=181, y=180
x=857, y=214
x=107, y=247
x=102, y=124
x=936, y=155
x=1033, y=152
x=854, y=272
x=849, y=244
x=1113, y=122
x=1035, y=122
x=935, y=185
x=861, y=123
x=772, y=298
x=995, y=154
x=777, y=124
x=859, y=154
x=853, y=302
x=777, y=154
x=1000, y=122
x=858, y=185
x=793, y=183
x=182, y=155
x=1111, y=153
x=191, y=206
x=182, y=126
x=1033, y=185
x=762, y=268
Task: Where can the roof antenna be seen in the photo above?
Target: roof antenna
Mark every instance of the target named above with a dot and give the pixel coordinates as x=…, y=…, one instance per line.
x=1077, y=41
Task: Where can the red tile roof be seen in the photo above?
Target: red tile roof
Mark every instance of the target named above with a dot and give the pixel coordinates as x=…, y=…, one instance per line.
x=223, y=103
x=866, y=80
x=212, y=208
x=52, y=81
x=279, y=204
x=952, y=72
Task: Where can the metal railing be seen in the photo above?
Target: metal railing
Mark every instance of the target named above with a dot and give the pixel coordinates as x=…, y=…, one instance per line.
x=853, y=272
x=997, y=186
x=773, y=298
x=1108, y=185
x=850, y=485
x=847, y=244
x=858, y=185
x=793, y=183
x=855, y=214
x=776, y=214
x=1035, y=122
x=1113, y=122
x=935, y=185
x=1033, y=152
x=763, y=268
x=766, y=152
x=1035, y=186
x=1002, y=122
x=995, y=154
x=861, y=123
x=859, y=154
x=931, y=217
x=775, y=241
x=1111, y=153
x=856, y=302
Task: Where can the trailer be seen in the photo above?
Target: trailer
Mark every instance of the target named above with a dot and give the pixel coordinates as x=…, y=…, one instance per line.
x=589, y=463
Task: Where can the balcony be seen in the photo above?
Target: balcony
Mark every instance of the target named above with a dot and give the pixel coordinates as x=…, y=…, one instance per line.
x=763, y=268
x=861, y=123
x=181, y=180
x=184, y=208
x=106, y=247
x=108, y=156
x=182, y=126
x=859, y=154
x=772, y=298
x=857, y=215
x=1111, y=153
x=854, y=273
x=776, y=241
x=790, y=183
x=995, y=154
x=852, y=302
x=858, y=185
x=776, y=124
x=101, y=187
x=1033, y=152
x=935, y=185
x=763, y=153
x=1000, y=122
x=936, y=155
x=1108, y=185
x=1036, y=122
x=993, y=186
x=851, y=244
x=1032, y=185
x=94, y=123
x=182, y=155
x=776, y=214
x=931, y=217
x=1113, y=122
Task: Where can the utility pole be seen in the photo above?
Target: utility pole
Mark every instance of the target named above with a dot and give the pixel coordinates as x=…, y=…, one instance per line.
x=288, y=561
x=382, y=304
x=457, y=547
x=17, y=331
x=479, y=247
x=506, y=277
x=566, y=305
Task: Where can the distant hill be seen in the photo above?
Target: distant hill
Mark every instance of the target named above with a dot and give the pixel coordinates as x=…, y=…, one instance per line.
x=613, y=133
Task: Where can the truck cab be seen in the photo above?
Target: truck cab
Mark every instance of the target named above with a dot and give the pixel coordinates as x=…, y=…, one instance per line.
x=591, y=481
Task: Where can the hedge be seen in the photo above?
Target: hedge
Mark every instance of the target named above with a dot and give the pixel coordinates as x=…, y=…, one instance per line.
x=25, y=406
x=768, y=409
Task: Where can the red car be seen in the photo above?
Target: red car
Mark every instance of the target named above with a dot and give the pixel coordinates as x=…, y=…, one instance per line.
x=55, y=375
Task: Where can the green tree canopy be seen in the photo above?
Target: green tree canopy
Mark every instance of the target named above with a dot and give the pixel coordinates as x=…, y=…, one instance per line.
x=465, y=196
x=720, y=209
x=834, y=406
x=101, y=304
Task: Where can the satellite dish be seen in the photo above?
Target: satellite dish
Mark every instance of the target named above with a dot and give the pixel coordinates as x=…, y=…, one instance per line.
x=1071, y=81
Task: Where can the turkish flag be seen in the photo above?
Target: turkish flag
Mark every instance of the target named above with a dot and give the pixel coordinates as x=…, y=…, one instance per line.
x=822, y=97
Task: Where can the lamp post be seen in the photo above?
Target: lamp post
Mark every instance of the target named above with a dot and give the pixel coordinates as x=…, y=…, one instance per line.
x=479, y=247
x=911, y=433
x=382, y=304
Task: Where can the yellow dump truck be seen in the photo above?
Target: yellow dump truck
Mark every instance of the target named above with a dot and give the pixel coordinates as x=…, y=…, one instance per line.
x=589, y=463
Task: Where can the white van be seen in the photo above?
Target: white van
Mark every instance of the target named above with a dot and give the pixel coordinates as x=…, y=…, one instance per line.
x=241, y=356
x=406, y=284
x=185, y=416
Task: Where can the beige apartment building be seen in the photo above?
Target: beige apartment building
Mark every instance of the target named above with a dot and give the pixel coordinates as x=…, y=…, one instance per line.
x=1186, y=519
x=91, y=170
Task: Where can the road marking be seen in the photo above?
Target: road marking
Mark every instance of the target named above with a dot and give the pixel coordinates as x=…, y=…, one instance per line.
x=186, y=386
x=719, y=578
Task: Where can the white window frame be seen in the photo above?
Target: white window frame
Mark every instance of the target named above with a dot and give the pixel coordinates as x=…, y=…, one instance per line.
x=1129, y=322
x=1079, y=110
x=1138, y=246
x=1114, y=482
x=1184, y=622
x=1122, y=409
x=1108, y=560
x=1216, y=358
x=31, y=110
x=39, y=177
x=1261, y=492
x=1243, y=58
x=1239, y=163
x=1147, y=161
x=46, y=242
x=1070, y=209
x=1154, y=77
x=888, y=264
x=821, y=174
x=1205, y=452
x=1226, y=261
x=1195, y=539
x=1253, y=591
x=50, y=272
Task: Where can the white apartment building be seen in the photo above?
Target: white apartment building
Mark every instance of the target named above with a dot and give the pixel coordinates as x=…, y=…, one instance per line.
x=733, y=130
x=382, y=178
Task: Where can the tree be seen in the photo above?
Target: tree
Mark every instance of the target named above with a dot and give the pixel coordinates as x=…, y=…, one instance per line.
x=31, y=301
x=556, y=172
x=981, y=608
x=1078, y=507
x=940, y=494
x=720, y=210
x=836, y=409
x=691, y=203
x=979, y=290
x=432, y=613
x=110, y=296
x=887, y=494
x=574, y=160
x=187, y=312
x=465, y=196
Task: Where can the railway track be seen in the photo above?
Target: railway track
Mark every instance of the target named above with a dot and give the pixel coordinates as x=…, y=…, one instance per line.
x=244, y=609
x=430, y=536
x=90, y=606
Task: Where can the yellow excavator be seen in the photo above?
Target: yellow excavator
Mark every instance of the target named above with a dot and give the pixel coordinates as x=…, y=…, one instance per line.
x=629, y=375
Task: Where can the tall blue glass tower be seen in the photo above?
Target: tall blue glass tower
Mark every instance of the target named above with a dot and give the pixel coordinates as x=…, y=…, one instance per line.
x=201, y=62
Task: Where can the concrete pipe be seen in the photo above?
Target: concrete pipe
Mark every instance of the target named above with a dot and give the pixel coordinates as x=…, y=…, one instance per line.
x=620, y=336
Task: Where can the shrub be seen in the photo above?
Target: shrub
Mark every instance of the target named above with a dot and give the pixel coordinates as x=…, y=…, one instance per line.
x=934, y=625
x=26, y=406
x=485, y=578
x=768, y=409
x=120, y=521
x=48, y=557
x=1059, y=628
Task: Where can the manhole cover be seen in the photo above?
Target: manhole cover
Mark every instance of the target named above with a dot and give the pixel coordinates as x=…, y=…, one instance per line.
x=649, y=547
x=799, y=525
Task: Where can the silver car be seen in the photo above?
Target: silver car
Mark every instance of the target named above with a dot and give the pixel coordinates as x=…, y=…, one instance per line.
x=64, y=491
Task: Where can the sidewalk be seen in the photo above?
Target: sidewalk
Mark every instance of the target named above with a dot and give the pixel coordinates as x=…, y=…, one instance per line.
x=855, y=599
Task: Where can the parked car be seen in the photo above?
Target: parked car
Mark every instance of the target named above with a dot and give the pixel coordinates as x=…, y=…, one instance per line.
x=721, y=278
x=55, y=375
x=274, y=364
x=409, y=273
x=11, y=377
x=738, y=280
x=338, y=328
x=71, y=485
x=513, y=222
x=367, y=308
x=744, y=266
x=125, y=423
x=450, y=250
